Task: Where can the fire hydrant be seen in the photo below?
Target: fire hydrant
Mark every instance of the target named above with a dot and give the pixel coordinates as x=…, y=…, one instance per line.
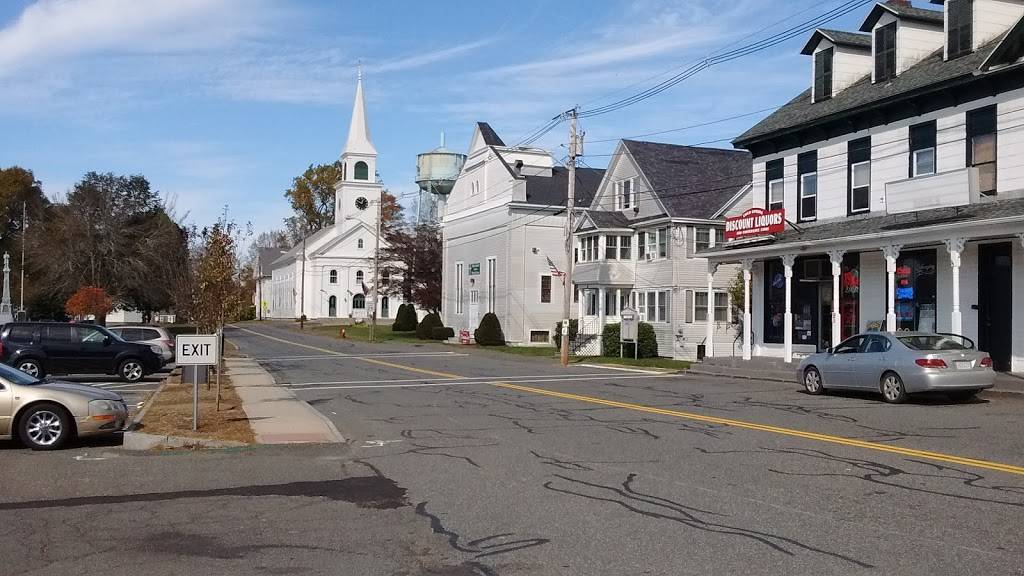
x=341, y=332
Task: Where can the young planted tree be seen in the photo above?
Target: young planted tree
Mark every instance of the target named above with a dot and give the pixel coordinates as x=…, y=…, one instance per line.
x=90, y=301
x=414, y=255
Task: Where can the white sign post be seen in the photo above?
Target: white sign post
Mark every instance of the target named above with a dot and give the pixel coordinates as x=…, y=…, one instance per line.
x=628, y=330
x=196, y=350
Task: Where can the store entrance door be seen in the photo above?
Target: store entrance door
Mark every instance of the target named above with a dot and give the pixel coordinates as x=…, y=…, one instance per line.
x=995, y=293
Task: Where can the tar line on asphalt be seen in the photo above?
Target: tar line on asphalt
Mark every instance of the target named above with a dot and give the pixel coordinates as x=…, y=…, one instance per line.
x=924, y=454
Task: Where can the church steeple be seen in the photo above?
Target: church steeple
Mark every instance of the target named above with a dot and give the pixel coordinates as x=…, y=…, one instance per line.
x=358, y=130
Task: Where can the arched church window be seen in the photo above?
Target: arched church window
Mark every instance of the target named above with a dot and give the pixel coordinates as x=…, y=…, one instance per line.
x=358, y=302
x=359, y=276
x=334, y=277
x=361, y=171
x=332, y=306
x=359, y=243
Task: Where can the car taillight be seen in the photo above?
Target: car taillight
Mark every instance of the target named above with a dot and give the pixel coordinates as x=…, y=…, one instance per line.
x=931, y=362
x=986, y=362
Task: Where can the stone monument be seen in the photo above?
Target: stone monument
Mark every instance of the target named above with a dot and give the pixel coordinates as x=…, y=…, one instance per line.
x=5, y=302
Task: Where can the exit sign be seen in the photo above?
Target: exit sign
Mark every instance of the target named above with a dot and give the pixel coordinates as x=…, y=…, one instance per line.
x=196, y=350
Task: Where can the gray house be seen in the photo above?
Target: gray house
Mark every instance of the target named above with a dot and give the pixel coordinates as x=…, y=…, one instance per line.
x=635, y=246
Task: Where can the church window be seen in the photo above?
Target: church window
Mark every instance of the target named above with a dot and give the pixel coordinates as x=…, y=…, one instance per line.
x=359, y=302
x=359, y=276
x=332, y=306
x=334, y=277
x=359, y=243
x=361, y=171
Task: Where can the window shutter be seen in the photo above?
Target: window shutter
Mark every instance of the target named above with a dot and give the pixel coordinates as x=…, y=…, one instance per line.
x=688, y=306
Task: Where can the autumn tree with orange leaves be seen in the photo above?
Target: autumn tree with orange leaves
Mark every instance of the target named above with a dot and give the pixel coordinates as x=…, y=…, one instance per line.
x=90, y=301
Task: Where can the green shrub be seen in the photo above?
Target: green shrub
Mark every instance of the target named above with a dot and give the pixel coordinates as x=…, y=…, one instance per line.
x=648, y=342
x=425, y=331
x=574, y=329
x=443, y=333
x=489, y=333
x=405, y=319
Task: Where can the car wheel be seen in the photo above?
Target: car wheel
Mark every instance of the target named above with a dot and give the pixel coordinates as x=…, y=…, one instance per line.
x=962, y=395
x=892, y=388
x=32, y=367
x=131, y=370
x=812, y=381
x=45, y=427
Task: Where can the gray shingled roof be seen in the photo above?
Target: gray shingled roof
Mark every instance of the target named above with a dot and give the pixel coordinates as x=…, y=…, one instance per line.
x=294, y=251
x=552, y=191
x=490, y=137
x=837, y=37
x=691, y=182
x=801, y=112
x=265, y=257
x=840, y=228
x=607, y=219
x=902, y=10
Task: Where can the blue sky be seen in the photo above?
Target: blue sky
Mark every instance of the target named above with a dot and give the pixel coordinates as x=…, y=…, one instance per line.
x=223, y=102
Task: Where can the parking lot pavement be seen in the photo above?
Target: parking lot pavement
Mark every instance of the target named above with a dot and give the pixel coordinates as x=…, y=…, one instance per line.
x=134, y=395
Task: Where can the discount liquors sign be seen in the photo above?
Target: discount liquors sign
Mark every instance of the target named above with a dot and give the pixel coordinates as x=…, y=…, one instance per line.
x=755, y=222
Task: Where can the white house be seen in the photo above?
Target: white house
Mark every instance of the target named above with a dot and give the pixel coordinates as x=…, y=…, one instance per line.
x=657, y=205
x=504, y=220
x=902, y=167
x=331, y=273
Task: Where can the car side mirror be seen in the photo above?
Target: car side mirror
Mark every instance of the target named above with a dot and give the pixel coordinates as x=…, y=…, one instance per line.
x=107, y=340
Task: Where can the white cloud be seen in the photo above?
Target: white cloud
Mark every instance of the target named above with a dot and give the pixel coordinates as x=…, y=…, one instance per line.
x=53, y=30
x=426, y=58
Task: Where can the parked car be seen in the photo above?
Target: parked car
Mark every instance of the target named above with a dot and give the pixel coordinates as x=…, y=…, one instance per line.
x=152, y=335
x=41, y=348
x=900, y=364
x=44, y=414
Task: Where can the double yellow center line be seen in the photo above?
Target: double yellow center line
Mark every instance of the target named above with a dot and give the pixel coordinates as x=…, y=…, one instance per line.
x=876, y=446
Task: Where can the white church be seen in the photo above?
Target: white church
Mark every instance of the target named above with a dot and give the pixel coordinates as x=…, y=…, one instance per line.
x=331, y=274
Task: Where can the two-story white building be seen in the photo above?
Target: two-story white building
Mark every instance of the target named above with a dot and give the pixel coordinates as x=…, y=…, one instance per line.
x=901, y=171
x=657, y=205
x=503, y=228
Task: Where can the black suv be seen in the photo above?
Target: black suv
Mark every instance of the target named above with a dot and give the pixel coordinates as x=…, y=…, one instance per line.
x=40, y=348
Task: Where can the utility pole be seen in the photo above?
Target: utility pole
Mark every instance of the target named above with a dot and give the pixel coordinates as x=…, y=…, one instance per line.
x=574, y=151
x=376, y=275
x=24, y=237
x=302, y=287
x=259, y=286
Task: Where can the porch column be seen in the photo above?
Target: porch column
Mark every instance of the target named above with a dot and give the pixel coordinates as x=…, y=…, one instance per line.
x=787, y=266
x=579, y=307
x=891, y=253
x=618, y=301
x=955, y=246
x=709, y=335
x=836, y=257
x=748, y=263
x=602, y=293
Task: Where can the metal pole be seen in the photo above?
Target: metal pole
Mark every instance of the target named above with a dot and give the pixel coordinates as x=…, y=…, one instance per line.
x=259, y=290
x=569, y=202
x=24, y=234
x=376, y=275
x=220, y=362
x=302, y=286
x=195, y=397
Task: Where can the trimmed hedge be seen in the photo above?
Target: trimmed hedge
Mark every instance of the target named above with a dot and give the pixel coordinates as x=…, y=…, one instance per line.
x=405, y=319
x=648, y=342
x=489, y=333
x=574, y=329
x=425, y=331
x=444, y=333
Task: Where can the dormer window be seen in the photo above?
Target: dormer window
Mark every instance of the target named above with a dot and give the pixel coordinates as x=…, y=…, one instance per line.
x=885, y=52
x=959, y=28
x=823, y=74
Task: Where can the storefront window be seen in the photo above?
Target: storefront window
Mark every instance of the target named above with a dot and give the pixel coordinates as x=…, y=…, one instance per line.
x=849, y=295
x=774, y=302
x=915, y=291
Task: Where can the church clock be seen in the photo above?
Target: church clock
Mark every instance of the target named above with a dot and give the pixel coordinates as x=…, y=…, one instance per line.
x=361, y=203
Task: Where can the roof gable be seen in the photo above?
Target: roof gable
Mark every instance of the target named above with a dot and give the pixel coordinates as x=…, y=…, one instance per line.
x=839, y=38
x=553, y=190
x=903, y=11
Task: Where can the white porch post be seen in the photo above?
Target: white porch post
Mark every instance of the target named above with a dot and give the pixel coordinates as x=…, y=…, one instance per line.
x=955, y=246
x=709, y=335
x=891, y=253
x=836, y=257
x=579, y=307
x=747, y=265
x=602, y=293
x=618, y=302
x=787, y=265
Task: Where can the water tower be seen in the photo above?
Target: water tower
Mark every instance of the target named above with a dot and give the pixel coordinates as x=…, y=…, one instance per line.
x=436, y=172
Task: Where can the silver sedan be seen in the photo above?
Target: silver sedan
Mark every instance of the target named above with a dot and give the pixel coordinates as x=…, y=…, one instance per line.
x=900, y=364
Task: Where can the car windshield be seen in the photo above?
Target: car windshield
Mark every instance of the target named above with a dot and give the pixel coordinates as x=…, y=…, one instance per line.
x=932, y=342
x=15, y=376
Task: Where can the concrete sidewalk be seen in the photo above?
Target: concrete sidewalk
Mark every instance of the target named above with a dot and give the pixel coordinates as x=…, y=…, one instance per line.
x=276, y=415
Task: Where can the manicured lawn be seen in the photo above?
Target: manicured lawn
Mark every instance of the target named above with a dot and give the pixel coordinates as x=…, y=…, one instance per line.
x=361, y=332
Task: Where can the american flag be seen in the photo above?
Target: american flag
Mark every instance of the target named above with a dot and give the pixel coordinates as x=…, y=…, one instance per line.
x=554, y=269
x=366, y=289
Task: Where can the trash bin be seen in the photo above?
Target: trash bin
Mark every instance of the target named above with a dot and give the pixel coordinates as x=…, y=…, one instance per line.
x=701, y=350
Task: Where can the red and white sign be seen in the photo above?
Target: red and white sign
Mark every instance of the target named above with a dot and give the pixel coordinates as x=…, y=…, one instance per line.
x=755, y=222
x=464, y=337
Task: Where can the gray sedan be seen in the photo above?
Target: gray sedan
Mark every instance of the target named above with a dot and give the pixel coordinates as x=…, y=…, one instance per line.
x=900, y=364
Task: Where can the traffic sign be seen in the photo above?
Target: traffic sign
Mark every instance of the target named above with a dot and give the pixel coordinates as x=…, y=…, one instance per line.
x=196, y=350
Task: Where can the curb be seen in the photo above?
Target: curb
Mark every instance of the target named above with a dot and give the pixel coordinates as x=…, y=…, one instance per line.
x=134, y=424
x=143, y=441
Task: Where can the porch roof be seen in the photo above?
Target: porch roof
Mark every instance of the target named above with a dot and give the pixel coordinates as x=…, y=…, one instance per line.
x=880, y=229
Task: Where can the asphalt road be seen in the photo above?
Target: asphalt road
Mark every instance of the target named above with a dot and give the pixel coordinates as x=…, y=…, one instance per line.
x=487, y=463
